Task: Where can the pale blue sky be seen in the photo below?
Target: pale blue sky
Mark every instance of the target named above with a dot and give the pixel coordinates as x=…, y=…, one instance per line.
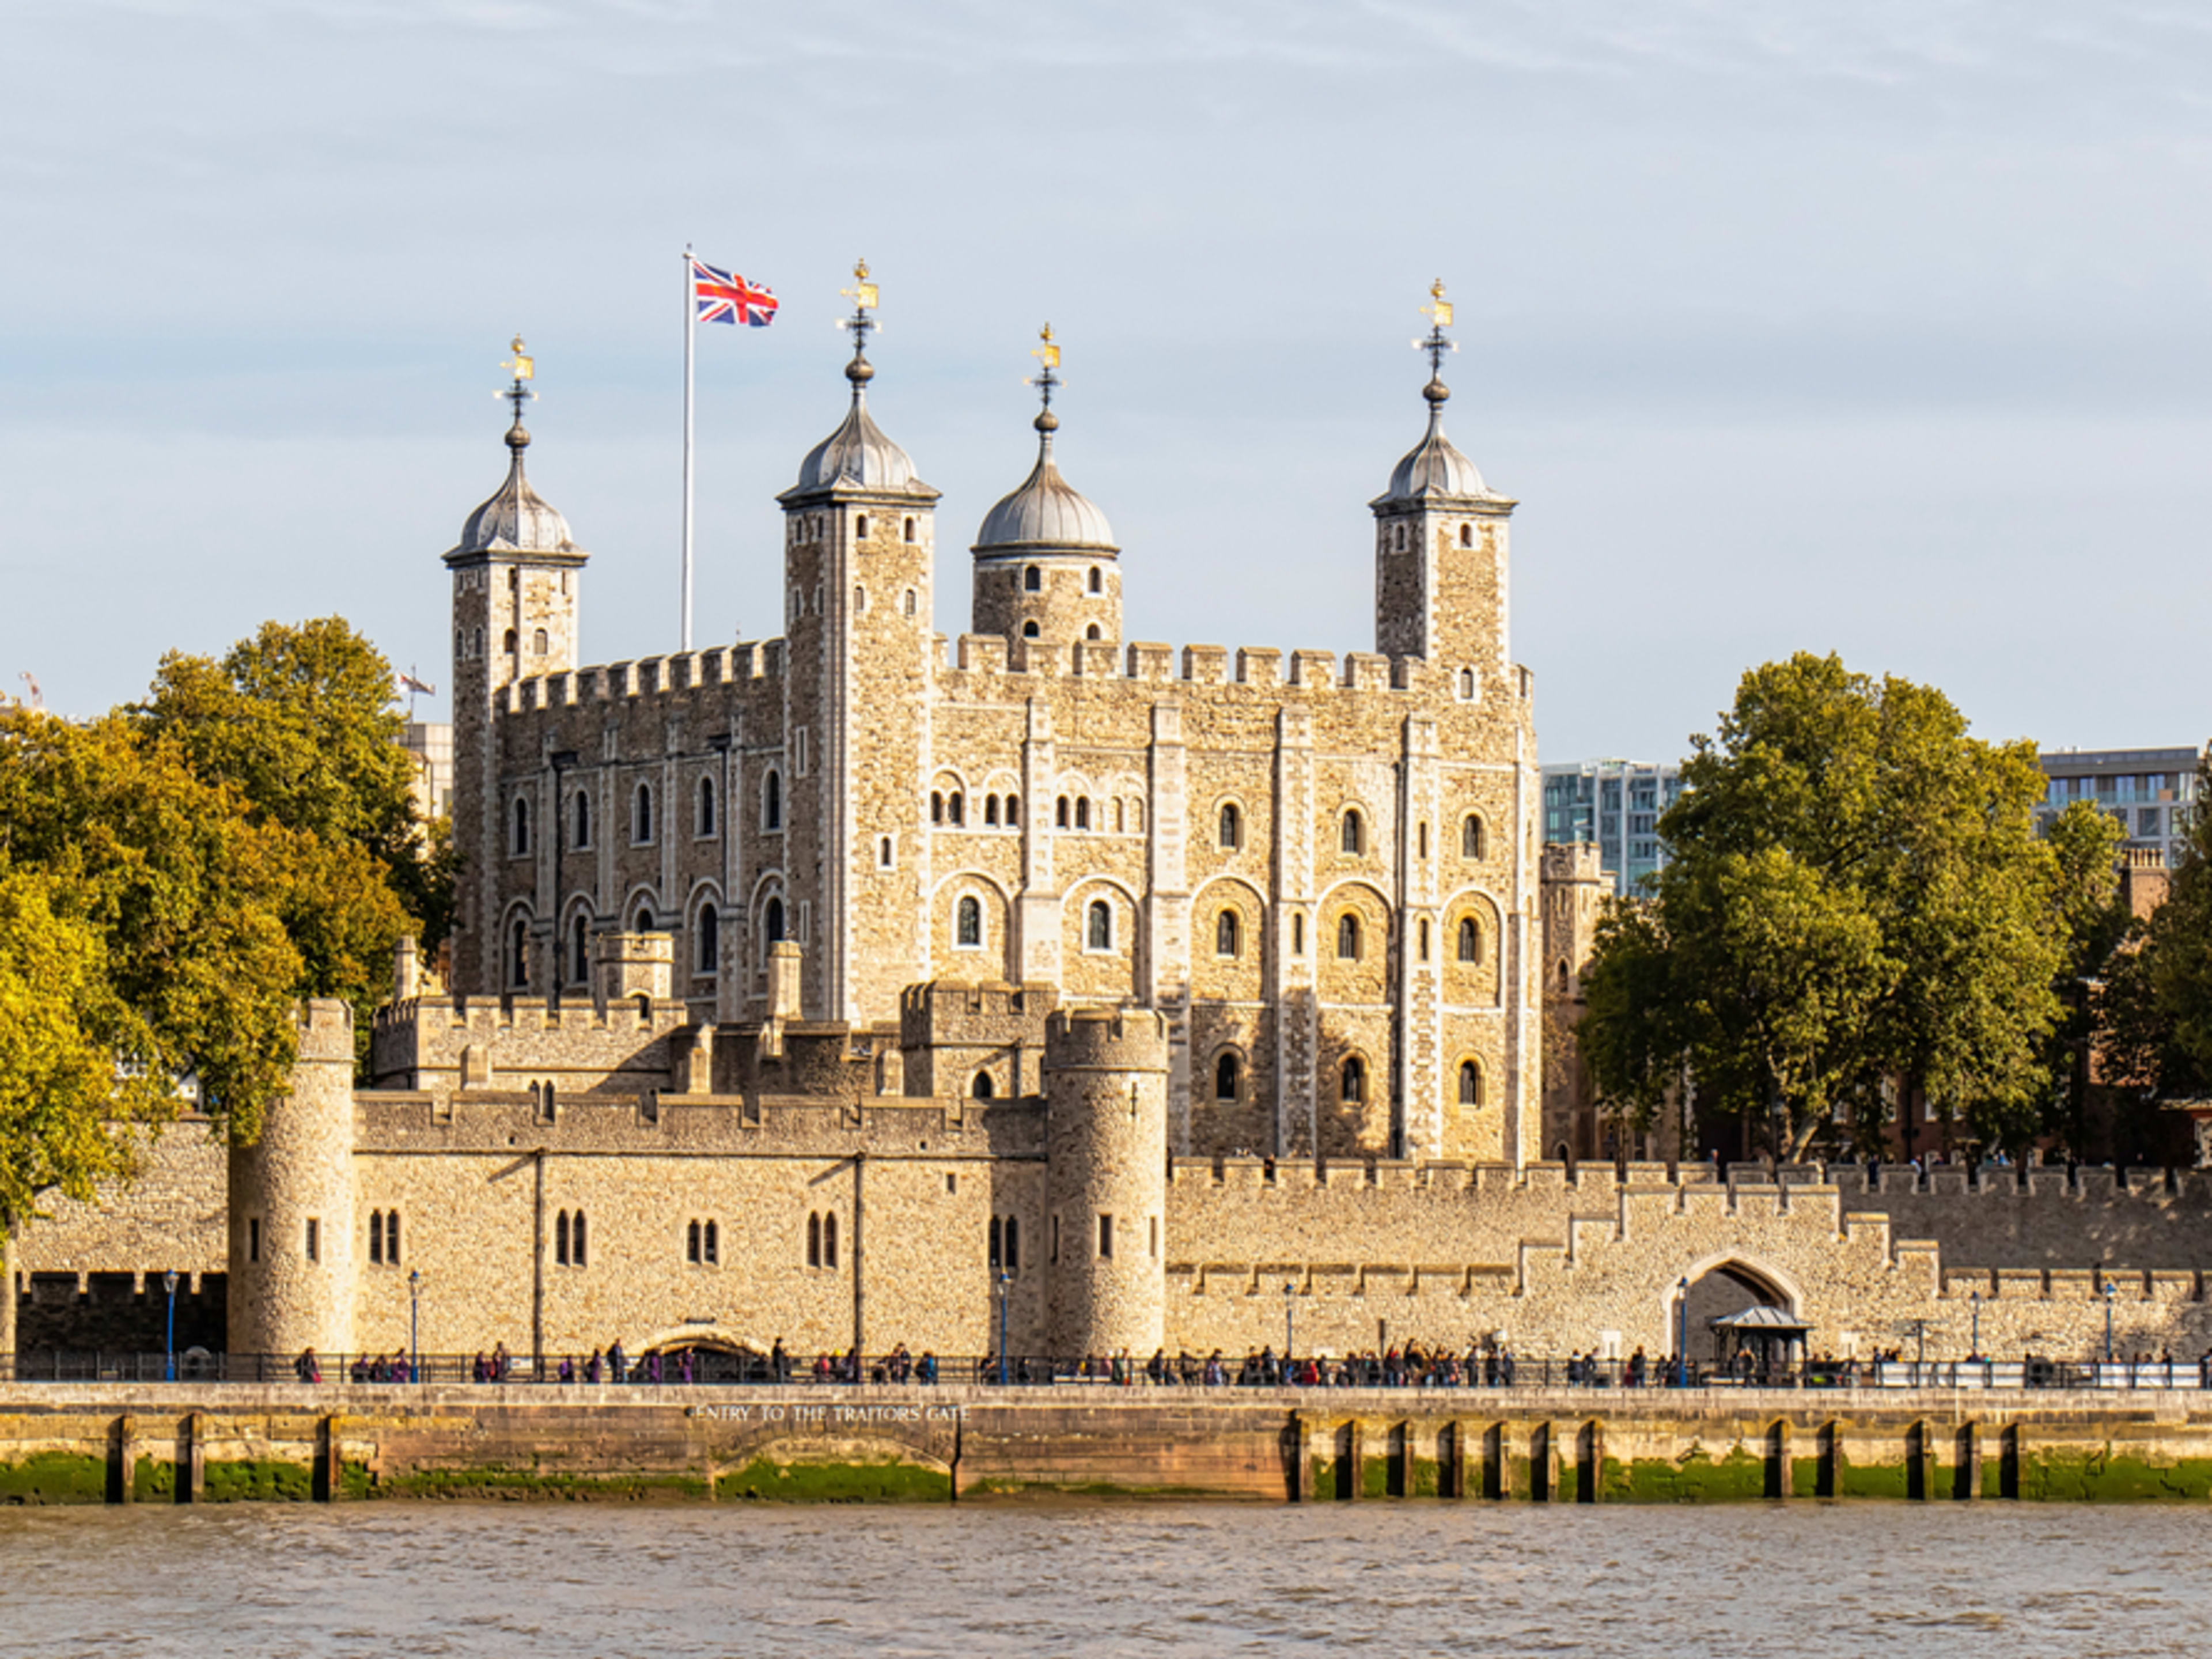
x=1882, y=332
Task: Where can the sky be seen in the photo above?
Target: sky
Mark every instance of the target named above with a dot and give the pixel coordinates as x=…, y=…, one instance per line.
x=1879, y=328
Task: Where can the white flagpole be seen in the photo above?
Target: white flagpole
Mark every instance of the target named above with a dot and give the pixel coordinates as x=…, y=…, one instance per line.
x=690, y=336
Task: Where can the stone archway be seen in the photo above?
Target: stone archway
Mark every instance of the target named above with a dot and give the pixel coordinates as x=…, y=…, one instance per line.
x=1722, y=1286
x=715, y=1355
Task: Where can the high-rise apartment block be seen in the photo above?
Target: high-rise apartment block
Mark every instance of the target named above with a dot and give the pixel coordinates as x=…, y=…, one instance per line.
x=1614, y=806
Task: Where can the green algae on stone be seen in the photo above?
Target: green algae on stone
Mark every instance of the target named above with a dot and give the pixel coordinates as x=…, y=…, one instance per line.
x=764, y=1480
x=54, y=1478
x=1694, y=1477
x=257, y=1480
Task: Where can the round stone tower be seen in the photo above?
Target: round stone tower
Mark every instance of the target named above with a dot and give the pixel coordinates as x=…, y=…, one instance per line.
x=1106, y=1094
x=1047, y=569
x=292, y=1267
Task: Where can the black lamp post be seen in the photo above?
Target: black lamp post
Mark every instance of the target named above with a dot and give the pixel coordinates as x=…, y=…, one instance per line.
x=415, y=1322
x=1682, y=1341
x=2111, y=1291
x=169, y=1345
x=1289, y=1325
x=1977, y=1300
x=1006, y=1289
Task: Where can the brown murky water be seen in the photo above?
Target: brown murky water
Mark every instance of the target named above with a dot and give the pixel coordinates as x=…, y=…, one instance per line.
x=470, y=1579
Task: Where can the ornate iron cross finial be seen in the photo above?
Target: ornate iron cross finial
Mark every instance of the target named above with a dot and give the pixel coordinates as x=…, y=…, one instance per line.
x=862, y=293
x=1048, y=355
x=524, y=368
x=1439, y=311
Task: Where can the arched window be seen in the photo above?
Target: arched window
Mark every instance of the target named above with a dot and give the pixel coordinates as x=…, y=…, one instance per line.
x=772, y=921
x=1470, y=940
x=1092, y=633
x=937, y=806
x=579, y=950
x=644, y=923
x=392, y=1239
x=1297, y=935
x=828, y=1241
x=1013, y=811
x=1347, y=937
x=1425, y=939
x=540, y=643
x=1059, y=813
x=1421, y=839
x=1398, y=537
x=1121, y=815
x=1083, y=811
x=1032, y=579
x=1228, y=935
x=706, y=806
x=1352, y=836
x=913, y=602
x=1470, y=1083
x=479, y=642
x=579, y=1242
x=1029, y=631
x=1564, y=978
x=981, y=1088
x=955, y=807
x=909, y=530
x=583, y=819
x=860, y=528
x=1227, y=1074
x=1471, y=838
x=969, y=929
x=1466, y=684
x=709, y=955
x=883, y=851
x=513, y=647
x=640, y=825
x=1014, y=1244
x=518, y=966
x=814, y=1240
x=991, y=811
x=376, y=1236
x=561, y=1239
x=694, y=1244
x=1352, y=1086
x=772, y=801
x=521, y=826
x=1231, y=836
x=997, y=1237
x=714, y=1243
x=1467, y=535
x=1100, y=934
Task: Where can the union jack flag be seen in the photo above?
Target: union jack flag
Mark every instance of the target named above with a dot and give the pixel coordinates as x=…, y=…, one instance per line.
x=723, y=296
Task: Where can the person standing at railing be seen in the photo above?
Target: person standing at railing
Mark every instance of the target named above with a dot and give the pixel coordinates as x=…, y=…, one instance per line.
x=307, y=1368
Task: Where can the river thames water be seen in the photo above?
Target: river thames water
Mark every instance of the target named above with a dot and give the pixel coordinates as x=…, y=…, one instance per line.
x=468, y=1579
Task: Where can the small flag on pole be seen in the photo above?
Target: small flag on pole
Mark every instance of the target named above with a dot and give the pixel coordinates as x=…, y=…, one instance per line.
x=723, y=296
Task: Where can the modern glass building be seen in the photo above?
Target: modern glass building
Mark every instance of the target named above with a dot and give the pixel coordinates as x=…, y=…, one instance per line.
x=1613, y=805
x=2148, y=791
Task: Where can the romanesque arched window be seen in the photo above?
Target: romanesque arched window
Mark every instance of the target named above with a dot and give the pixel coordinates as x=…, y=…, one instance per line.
x=1092, y=633
x=641, y=816
x=1013, y=811
x=1471, y=838
x=579, y=950
x=814, y=1240
x=1470, y=940
x=1347, y=937
x=1467, y=684
x=1100, y=934
x=1353, y=1080
x=540, y=643
x=706, y=814
x=521, y=837
x=997, y=1248
x=1352, y=836
x=1470, y=1083
x=1029, y=630
x=583, y=819
x=955, y=808
x=1230, y=834
x=937, y=806
x=714, y=1243
x=376, y=1236
x=828, y=1241
x=707, y=959
x=1425, y=939
x=980, y=1087
x=1227, y=1075
x=1228, y=935
x=517, y=955
x=772, y=921
x=1083, y=811
x=1059, y=813
x=645, y=919
x=772, y=801
x=561, y=1239
x=1467, y=535
x=1098, y=580
x=512, y=643
x=693, y=1243
x=909, y=530
x=1032, y=579
x=391, y=1238
x=968, y=925
x=1014, y=1244
x=991, y=811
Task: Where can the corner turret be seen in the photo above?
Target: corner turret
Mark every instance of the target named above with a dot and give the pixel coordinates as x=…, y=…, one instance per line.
x=1106, y=1126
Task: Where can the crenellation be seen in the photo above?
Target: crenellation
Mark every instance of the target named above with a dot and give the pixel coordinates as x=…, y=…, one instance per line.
x=1313, y=669
x=1150, y=662
x=1259, y=667
x=1206, y=664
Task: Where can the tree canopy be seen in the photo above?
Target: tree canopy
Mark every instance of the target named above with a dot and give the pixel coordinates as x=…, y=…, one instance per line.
x=2155, y=1013
x=1856, y=900
x=173, y=877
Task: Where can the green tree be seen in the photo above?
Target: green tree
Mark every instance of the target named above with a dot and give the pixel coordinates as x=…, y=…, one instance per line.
x=2154, y=1013
x=300, y=722
x=1855, y=894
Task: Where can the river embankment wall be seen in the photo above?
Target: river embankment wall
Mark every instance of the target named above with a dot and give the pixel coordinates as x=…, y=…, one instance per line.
x=214, y=1443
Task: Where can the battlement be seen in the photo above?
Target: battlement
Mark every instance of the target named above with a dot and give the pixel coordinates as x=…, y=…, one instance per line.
x=961, y=1013
x=326, y=1029
x=1572, y=861
x=987, y=659
x=1119, y=1039
x=675, y=674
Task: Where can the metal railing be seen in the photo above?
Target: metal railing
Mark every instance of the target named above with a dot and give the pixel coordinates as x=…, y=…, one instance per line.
x=713, y=1367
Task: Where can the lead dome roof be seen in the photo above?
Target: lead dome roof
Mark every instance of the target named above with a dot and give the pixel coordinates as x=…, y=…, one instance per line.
x=516, y=519
x=1046, y=511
